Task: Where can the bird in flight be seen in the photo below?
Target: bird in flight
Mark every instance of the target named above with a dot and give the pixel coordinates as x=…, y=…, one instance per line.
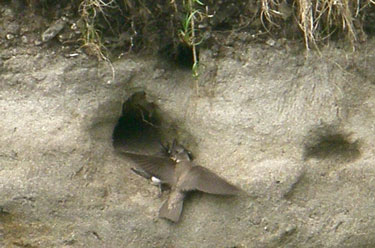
x=174, y=167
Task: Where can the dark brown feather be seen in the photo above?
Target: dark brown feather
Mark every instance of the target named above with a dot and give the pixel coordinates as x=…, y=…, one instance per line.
x=160, y=167
x=172, y=207
x=202, y=179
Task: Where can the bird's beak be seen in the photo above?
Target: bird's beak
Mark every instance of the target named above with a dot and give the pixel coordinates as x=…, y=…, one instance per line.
x=174, y=158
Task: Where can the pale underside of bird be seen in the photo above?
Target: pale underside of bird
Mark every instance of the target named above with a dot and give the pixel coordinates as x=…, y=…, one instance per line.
x=173, y=167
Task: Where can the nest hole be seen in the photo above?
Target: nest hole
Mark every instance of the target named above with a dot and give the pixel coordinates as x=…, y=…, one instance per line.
x=138, y=128
x=180, y=55
x=333, y=146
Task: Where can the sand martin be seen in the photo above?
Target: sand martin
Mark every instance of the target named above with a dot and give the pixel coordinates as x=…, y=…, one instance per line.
x=175, y=168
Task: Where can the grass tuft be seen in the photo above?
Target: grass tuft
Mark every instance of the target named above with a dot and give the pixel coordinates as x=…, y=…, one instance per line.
x=320, y=19
x=134, y=25
x=188, y=33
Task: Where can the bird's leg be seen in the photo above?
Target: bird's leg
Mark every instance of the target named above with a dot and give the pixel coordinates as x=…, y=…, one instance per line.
x=154, y=181
x=160, y=192
x=157, y=181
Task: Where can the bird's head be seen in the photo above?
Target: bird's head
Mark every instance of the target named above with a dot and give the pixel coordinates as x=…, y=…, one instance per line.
x=178, y=153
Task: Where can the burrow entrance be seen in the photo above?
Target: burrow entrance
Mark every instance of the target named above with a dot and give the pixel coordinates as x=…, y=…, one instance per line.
x=139, y=127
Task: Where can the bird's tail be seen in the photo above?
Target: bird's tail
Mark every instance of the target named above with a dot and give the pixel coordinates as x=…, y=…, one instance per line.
x=172, y=207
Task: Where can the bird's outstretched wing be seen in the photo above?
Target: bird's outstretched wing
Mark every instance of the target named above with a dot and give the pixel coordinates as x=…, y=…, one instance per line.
x=160, y=167
x=202, y=179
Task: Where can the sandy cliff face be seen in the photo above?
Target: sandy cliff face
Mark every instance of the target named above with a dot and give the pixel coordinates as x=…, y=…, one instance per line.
x=296, y=133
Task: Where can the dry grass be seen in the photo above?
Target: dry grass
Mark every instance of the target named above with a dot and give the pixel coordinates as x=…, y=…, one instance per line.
x=319, y=19
x=155, y=23
x=91, y=39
